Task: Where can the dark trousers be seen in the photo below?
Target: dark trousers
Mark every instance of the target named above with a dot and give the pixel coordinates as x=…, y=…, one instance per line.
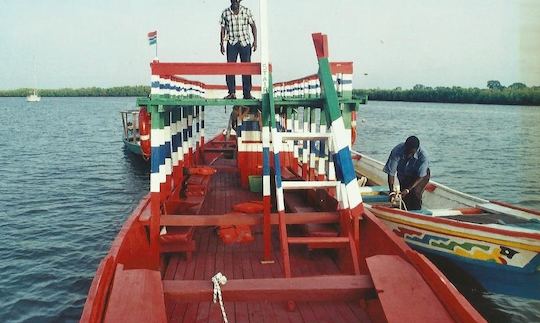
x=413, y=200
x=245, y=56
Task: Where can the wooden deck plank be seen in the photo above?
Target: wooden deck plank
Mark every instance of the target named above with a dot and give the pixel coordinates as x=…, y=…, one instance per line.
x=313, y=268
x=306, y=269
x=192, y=307
x=203, y=314
x=263, y=270
x=318, y=263
x=215, y=310
x=184, y=271
x=241, y=308
x=254, y=308
x=259, y=271
x=169, y=274
x=359, y=312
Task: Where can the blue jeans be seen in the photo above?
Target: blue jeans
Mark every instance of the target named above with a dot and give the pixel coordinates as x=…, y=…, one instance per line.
x=245, y=56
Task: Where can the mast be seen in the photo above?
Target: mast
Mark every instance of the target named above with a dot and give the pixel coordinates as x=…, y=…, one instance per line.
x=265, y=68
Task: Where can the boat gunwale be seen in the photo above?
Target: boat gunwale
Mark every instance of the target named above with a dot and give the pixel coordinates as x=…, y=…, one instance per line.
x=93, y=301
x=429, y=221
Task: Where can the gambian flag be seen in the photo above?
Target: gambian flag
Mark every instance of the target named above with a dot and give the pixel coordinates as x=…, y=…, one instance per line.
x=152, y=37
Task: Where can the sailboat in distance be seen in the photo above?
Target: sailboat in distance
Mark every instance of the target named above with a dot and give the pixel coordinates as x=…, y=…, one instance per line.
x=34, y=96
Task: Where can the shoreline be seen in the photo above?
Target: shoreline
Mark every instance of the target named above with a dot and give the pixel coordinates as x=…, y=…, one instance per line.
x=529, y=96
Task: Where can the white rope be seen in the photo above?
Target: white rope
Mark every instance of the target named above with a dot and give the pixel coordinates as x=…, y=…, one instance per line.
x=397, y=200
x=218, y=280
x=362, y=181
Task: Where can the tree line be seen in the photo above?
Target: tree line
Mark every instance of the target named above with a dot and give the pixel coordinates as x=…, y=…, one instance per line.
x=137, y=90
x=494, y=93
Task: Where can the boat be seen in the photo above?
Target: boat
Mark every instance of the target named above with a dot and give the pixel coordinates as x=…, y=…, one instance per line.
x=264, y=225
x=33, y=97
x=131, y=135
x=495, y=243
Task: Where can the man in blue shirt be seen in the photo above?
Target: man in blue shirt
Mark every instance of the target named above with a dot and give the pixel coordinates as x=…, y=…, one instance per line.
x=411, y=164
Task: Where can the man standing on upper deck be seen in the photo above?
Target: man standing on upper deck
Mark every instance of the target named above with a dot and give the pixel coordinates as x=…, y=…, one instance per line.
x=411, y=163
x=235, y=23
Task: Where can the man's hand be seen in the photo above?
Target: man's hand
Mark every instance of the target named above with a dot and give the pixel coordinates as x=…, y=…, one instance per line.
x=222, y=49
x=254, y=46
x=405, y=192
x=392, y=196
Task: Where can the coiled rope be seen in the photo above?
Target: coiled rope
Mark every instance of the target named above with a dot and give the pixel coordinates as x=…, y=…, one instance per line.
x=218, y=280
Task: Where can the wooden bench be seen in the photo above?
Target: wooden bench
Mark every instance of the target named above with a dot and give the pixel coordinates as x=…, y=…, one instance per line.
x=320, y=288
x=403, y=293
x=136, y=296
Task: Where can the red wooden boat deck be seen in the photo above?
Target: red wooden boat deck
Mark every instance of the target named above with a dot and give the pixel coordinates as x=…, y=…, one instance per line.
x=242, y=261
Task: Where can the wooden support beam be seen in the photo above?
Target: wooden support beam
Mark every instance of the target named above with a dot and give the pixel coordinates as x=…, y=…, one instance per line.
x=320, y=288
x=246, y=219
x=170, y=69
x=295, y=185
x=333, y=241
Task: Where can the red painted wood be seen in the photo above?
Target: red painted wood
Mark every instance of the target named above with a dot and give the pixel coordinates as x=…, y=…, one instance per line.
x=320, y=42
x=136, y=296
x=170, y=272
x=254, y=88
x=185, y=270
x=333, y=241
x=235, y=218
x=321, y=288
x=470, y=210
x=167, y=69
x=455, y=303
x=344, y=68
x=95, y=301
x=267, y=229
x=284, y=244
x=241, y=261
x=155, y=204
x=404, y=295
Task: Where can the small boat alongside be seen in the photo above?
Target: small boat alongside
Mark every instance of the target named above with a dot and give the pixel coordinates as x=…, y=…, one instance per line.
x=136, y=132
x=496, y=243
x=266, y=224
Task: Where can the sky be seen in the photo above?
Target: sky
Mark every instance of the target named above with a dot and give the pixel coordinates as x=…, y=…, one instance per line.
x=75, y=43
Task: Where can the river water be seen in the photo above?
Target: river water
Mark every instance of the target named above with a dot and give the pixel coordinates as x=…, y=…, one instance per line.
x=67, y=185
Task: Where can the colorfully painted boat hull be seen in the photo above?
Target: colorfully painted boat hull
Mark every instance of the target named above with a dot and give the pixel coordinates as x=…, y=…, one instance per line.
x=131, y=252
x=501, y=258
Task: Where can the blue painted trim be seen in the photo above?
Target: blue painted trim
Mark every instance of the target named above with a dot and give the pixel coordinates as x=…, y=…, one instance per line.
x=344, y=167
x=155, y=160
x=277, y=170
